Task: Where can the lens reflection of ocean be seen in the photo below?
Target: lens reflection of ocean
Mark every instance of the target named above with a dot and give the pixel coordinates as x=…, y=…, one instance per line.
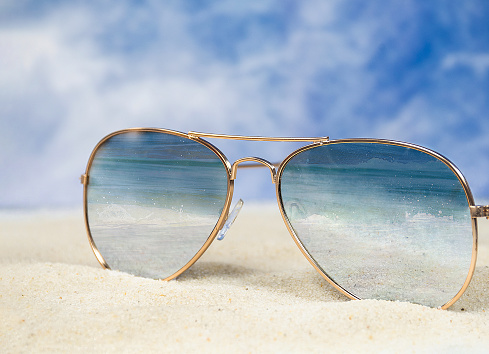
x=380, y=227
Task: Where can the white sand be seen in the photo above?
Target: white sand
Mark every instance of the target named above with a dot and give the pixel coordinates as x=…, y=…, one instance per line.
x=251, y=292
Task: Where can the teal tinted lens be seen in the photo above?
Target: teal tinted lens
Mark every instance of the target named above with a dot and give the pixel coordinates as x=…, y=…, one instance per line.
x=153, y=199
x=382, y=221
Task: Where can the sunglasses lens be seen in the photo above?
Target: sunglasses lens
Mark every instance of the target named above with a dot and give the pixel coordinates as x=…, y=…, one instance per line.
x=381, y=221
x=153, y=200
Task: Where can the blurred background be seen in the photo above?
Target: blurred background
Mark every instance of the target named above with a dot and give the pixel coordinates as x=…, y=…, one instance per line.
x=72, y=72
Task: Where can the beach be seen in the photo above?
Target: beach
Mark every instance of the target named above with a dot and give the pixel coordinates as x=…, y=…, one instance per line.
x=253, y=292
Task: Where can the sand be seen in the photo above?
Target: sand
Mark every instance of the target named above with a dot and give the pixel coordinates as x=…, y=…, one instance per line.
x=252, y=292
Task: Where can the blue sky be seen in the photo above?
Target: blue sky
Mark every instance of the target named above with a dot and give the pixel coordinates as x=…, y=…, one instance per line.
x=71, y=72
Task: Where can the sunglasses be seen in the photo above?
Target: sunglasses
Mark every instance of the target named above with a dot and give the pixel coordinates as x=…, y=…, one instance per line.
x=378, y=219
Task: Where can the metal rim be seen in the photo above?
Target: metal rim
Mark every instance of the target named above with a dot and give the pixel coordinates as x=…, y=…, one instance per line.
x=220, y=221
x=454, y=169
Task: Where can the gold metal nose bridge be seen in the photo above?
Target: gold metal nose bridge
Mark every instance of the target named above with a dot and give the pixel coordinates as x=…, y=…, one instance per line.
x=259, y=162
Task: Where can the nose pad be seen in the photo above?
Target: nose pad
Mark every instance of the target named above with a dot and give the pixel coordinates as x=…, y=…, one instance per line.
x=229, y=221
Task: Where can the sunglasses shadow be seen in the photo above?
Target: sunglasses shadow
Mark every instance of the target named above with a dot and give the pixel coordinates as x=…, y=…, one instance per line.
x=309, y=286
x=304, y=284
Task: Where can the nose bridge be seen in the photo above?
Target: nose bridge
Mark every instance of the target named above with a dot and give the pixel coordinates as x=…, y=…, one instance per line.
x=259, y=162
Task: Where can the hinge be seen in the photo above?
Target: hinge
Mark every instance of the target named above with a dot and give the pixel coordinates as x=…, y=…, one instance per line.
x=84, y=179
x=480, y=211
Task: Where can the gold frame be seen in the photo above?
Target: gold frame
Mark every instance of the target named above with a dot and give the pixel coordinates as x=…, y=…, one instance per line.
x=276, y=174
x=454, y=169
x=222, y=218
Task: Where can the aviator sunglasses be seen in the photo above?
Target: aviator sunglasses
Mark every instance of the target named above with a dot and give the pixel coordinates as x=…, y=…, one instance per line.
x=378, y=219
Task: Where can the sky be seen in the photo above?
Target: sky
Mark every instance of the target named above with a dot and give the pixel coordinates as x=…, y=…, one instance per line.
x=72, y=72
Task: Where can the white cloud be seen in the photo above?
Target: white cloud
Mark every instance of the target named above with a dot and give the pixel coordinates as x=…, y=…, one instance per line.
x=478, y=62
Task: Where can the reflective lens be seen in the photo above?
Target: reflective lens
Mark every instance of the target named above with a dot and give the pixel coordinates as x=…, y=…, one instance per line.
x=381, y=221
x=153, y=199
